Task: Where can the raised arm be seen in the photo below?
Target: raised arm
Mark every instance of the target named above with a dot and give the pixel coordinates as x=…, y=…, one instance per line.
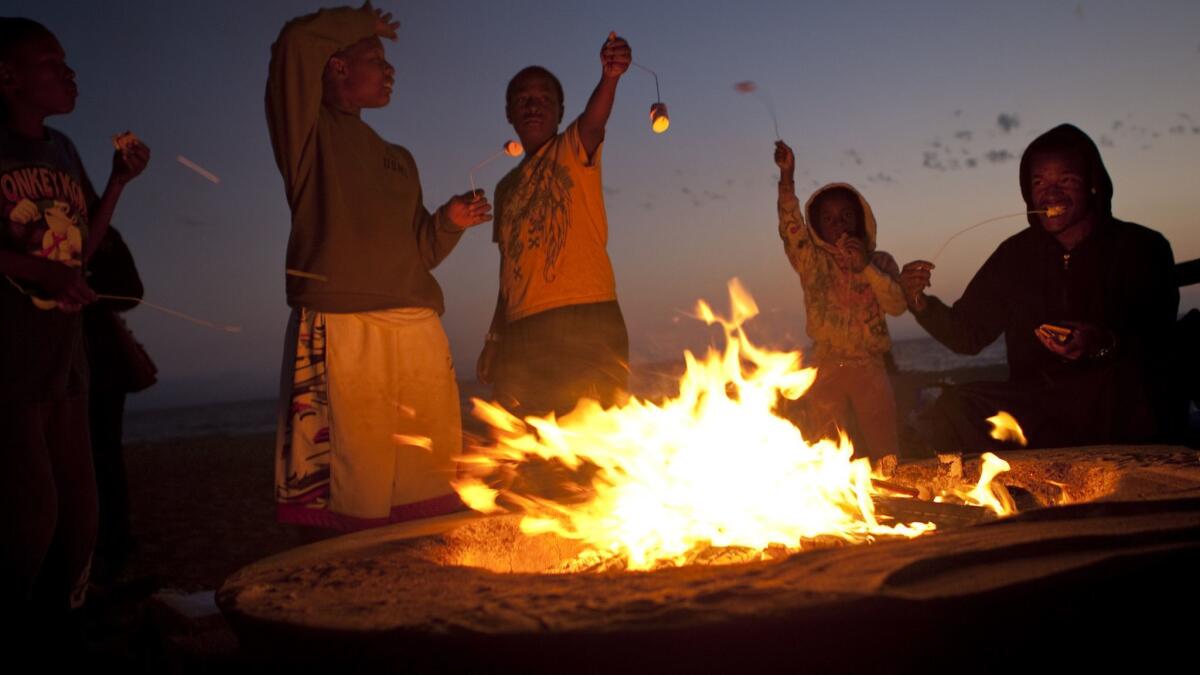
x=795, y=233
x=295, y=80
x=615, y=57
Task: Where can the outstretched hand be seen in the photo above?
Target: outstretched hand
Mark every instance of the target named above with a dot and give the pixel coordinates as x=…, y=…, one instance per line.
x=468, y=209
x=384, y=26
x=615, y=56
x=914, y=279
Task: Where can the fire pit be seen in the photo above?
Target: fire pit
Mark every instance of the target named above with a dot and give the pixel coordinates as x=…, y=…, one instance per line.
x=467, y=593
x=701, y=531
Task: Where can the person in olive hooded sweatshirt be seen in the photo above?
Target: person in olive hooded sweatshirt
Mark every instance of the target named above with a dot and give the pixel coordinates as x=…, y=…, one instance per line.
x=848, y=286
x=1086, y=304
x=370, y=421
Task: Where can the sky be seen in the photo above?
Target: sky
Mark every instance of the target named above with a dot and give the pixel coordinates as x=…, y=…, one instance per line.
x=924, y=106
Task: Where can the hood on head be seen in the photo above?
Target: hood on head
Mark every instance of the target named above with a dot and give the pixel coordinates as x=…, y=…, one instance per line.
x=1070, y=139
x=868, y=215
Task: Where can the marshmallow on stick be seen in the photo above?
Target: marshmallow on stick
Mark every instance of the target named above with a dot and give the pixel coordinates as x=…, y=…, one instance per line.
x=125, y=141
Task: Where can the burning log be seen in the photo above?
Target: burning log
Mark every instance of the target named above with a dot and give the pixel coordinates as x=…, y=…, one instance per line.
x=943, y=514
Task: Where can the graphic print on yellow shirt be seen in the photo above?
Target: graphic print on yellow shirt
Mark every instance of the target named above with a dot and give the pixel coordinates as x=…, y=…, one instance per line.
x=552, y=230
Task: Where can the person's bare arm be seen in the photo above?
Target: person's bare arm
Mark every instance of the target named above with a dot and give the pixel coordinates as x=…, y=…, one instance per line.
x=485, y=367
x=615, y=57
x=127, y=164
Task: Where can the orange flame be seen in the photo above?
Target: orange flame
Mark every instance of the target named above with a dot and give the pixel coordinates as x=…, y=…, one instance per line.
x=714, y=465
x=1005, y=428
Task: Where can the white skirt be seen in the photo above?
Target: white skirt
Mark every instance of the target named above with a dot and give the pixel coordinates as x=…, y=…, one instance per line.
x=370, y=424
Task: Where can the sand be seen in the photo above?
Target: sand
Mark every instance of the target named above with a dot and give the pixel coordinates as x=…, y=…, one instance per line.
x=202, y=508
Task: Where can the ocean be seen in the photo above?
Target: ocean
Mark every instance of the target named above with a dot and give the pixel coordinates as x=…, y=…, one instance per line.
x=259, y=416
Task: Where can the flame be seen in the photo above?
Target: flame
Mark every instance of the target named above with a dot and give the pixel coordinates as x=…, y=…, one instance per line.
x=1063, y=497
x=423, y=442
x=994, y=497
x=713, y=466
x=1005, y=428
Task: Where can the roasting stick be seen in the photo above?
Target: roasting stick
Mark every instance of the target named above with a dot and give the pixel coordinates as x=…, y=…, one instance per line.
x=1052, y=211
x=165, y=310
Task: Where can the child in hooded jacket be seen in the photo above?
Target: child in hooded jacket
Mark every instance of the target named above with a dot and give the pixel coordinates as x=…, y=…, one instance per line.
x=848, y=286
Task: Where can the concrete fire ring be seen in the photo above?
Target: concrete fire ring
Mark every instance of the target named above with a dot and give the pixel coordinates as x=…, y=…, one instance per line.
x=421, y=597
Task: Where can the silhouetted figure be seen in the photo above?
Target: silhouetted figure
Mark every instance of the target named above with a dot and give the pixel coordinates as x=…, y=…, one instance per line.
x=50, y=222
x=119, y=366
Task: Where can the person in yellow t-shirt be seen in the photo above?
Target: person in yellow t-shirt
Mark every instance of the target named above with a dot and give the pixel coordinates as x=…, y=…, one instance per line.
x=557, y=334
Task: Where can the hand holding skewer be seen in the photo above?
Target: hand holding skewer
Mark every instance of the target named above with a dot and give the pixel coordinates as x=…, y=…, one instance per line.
x=785, y=159
x=130, y=157
x=467, y=210
x=914, y=279
x=615, y=56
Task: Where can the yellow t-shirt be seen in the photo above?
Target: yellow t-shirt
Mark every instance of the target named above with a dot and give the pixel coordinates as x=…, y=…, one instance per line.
x=552, y=230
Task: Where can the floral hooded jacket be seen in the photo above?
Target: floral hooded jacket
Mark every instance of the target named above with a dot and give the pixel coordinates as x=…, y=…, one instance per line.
x=845, y=309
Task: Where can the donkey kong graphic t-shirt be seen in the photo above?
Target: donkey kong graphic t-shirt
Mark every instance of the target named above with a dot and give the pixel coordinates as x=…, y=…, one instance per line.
x=45, y=198
x=552, y=230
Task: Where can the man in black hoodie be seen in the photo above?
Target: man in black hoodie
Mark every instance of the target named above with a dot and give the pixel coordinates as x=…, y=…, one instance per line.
x=1086, y=304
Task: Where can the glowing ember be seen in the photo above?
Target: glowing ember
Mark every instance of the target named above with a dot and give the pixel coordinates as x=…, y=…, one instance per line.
x=423, y=442
x=1055, y=211
x=712, y=467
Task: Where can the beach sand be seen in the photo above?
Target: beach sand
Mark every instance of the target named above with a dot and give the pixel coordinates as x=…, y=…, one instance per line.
x=202, y=508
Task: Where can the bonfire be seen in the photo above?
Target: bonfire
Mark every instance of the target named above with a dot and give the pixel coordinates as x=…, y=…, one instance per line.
x=715, y=467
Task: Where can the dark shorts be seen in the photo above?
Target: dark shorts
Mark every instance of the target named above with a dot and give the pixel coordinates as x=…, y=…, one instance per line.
x=552, y=359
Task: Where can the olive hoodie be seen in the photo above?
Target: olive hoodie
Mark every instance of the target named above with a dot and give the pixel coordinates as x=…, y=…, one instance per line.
x=845, y=309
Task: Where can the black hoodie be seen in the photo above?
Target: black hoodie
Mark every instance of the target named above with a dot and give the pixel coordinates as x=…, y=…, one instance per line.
x=1120, y=277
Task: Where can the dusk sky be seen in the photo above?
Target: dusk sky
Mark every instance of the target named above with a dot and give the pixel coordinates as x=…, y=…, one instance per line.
x=924, y=106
